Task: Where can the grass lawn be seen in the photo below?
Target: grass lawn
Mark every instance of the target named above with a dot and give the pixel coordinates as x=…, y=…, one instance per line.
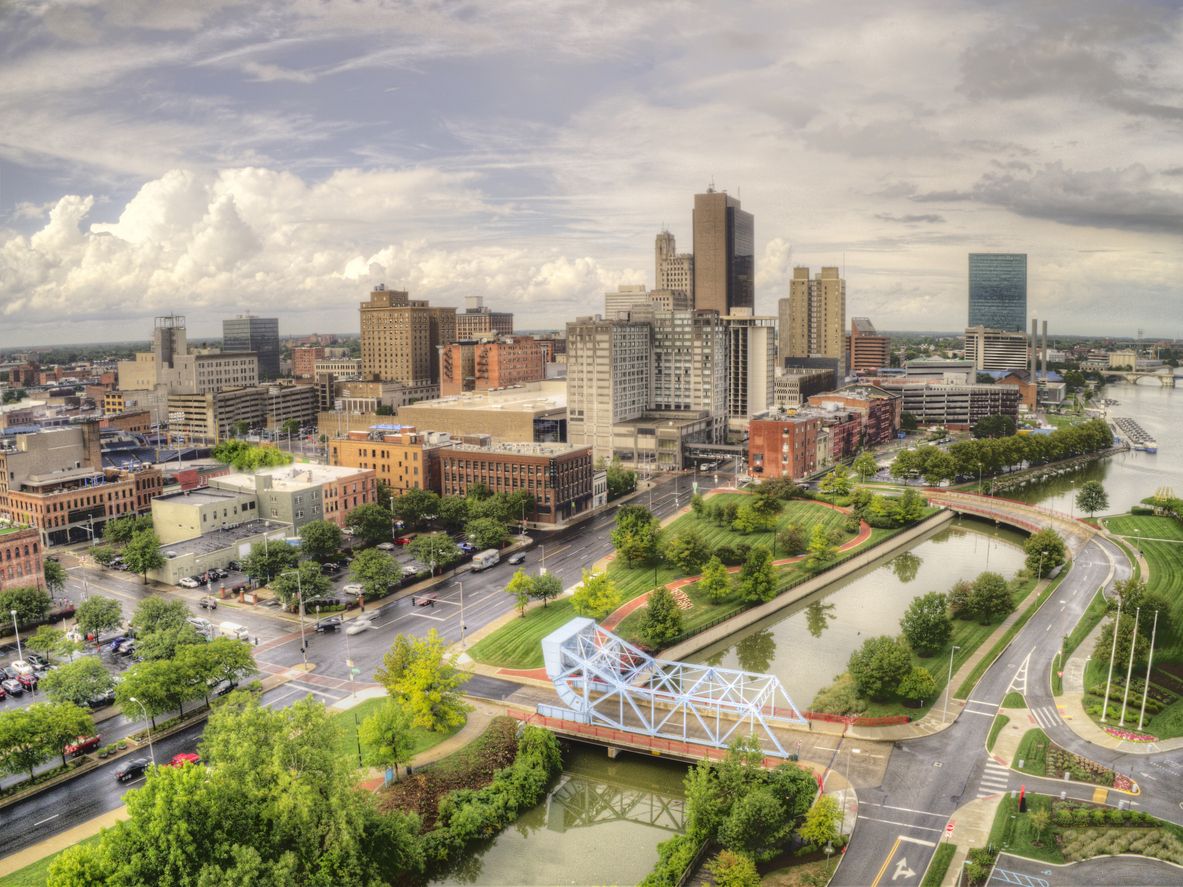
x=939, y=865
x=999, y=722
x=519, y=644
x=35, y=874
x=1014, y=700
x=347, y=722
x=1093, y=614
x=1012, y=831
x=1165, y=559
x=1032, y=752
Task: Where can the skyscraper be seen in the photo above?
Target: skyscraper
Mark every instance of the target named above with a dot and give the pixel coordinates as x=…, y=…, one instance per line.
x=998, y=291
x=258, y=334
x=816, y=314
x=673, y=270
x=724, y=253
x=868, y=350
x=400, y=337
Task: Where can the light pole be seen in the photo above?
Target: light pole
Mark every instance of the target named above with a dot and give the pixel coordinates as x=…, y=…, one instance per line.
x=16, y=628
x=300, y=599
x=1112, y=654
x=542, y=569
x=948, y=684
x=151, y=749
x=1149, y=662
x=463, y=644
x=1130, y=670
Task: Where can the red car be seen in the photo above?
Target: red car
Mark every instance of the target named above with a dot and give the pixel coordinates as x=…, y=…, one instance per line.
x=184, y=758
x=82, y=745
x=404, y=540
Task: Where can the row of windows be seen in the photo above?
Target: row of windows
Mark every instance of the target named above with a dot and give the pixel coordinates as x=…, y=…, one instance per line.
x=8, y=552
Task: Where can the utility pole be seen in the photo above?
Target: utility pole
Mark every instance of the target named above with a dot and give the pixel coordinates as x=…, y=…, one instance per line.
x=948, y=684
x=463, y=644
x=1149, y=663
x=1130, y=670
x=1112, y=654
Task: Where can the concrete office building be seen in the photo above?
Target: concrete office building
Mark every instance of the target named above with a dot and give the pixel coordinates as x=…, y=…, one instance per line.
x=724, y=253
x=342, y=369
x=992, y=349
x=479, y=366
x=530, y=413
x=794, y=385
x=479, y=322
x=211, y=418
x=998, y=291
x=938, y=369
x=673, y=271
x=868, y=351
x=400, y=337
x=813, y=322
x=954, y=406
x=689, y=361
x=630, y=296
x=751, y=366
x=608, y=379
x=257, y=335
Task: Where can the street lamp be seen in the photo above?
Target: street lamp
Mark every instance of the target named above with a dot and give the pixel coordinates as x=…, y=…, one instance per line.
x=300, y=599
x=151, y=749
x=948, y=684
x=460, y=582
x=16, y=628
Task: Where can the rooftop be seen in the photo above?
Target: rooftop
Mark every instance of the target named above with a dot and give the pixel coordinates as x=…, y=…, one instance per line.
x=291, y=477
x=521, y=449
x=6, y=530
x=199, y=496
x=533, y=397
x=221, y=539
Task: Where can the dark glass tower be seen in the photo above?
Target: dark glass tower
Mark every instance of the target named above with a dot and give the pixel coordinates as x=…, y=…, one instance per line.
x=998, y=291
x=724, y=253
x=258, y=334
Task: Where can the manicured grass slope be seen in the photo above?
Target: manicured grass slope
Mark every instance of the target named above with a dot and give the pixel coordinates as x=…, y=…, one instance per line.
x=519, y=644
x=347, y=721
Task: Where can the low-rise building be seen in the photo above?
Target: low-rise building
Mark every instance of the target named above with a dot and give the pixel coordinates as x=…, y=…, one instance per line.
x=480, y=366
x=20, y=558
x=300, y=494
x=398, y=455
x=880, y=410
x=217, y=548
x=955, y=406
x=530, y=413
x=187, y=514
x=793, y=387
x=784, y=445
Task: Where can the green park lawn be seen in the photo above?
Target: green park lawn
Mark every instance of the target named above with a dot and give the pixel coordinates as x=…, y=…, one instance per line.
x=35, y=874
x=519, y=643
x=347, y=721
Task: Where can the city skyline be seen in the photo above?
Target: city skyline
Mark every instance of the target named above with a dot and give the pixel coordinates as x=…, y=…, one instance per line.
x=287, y=160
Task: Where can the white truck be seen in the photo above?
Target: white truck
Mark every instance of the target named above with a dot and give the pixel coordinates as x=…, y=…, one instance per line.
x=234, y=630
x=485, y=559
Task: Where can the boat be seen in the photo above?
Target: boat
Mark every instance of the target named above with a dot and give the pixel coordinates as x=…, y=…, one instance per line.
x=1134, y=434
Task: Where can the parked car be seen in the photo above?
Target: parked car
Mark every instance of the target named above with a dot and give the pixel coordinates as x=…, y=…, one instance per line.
x=36, y=661
x=234, y=565
x=466, y=547
x=207, y=603
x=113, y=644
x=133, y=769
x=127, y=648
x=328, y=623
x=330, y=566
x=385, y=546
x=22, y=667
x=28, y=681
x=404, y=540
x=8, y=673
x=12, y=687
x=354, y=588
x=82, y=745
x=185, y=757
x=189, y=582
x=102, y=701
x=516, y=558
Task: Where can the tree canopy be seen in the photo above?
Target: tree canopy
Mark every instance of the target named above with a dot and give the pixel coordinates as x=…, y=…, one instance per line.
x=250, y=457
x=320, y=540
x=596, y=596
x=422, y=678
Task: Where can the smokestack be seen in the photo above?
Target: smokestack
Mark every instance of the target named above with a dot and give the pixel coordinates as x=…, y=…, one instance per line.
x=1045, y=349
x=1034, y=346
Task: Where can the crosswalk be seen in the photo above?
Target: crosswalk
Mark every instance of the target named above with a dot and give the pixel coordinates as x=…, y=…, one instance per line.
x=1046, y=716
x=995, y=779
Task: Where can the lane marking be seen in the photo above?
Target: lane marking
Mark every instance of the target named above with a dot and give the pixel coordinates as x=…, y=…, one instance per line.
x=923, y=828
x=917, y=841
x=970, y=711
x=906, y=810
x=42, y=822
x=886, y=862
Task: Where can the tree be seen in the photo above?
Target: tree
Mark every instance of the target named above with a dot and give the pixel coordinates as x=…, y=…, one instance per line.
x=370, y=523
x=78, y=682
x=926, y=624
x=156, y=613
x=545, y=587
x=908, y=507
x=159, y=686
x=791, y=540
x=486, y=532
x=31, y=604
x=1092, y=497
x=452, y=514
x=222, y=659
x=22, y=743
x=596, y=596
x=104, y=555
x=728, y=869
x=1039, y=819
x=291, y=426
x=716, y=581
x=426, y=683
x=636, y=534
x=164, y=643
x=878, y=666
x=320, y=540
x=55, y=576
x=621, y=481
x=821, y=550
x=822, y=822
x=990, y=600
x=749, y=519
x=97, y=614
x=757, y=824
x=837, y=482
x=688, y=551
x=1045, y=551
x=521, y=587
x=250, y=457
x=142, y=553
x=908, y=422
x=62, y=723
x=994, y=426
x=119, y=530
x=386, y=737
x=757, y=578
x=865, y=466
x=267, y=560
x=48, y=640
x=307, y=581
x=436, y=549
x=662, y=621
x=415, y=507
x=375, y=570
x=918, y=685
x=940, y=466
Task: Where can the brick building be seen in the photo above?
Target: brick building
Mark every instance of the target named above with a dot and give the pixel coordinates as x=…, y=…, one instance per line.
x=304, y=360
x=783, y=446
x=20, y=558
x=399, y=456
x=880, y=410
x=479, y=366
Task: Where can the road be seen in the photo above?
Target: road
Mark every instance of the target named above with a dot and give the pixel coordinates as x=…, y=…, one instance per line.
x=1117, y=871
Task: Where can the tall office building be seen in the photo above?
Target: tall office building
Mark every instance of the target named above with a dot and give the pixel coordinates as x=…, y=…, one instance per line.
x=674, y=270
x=256, y=334
x=724, y=253
x=689, y=359
x=998, y=291
x=751, y=366
x=629, y=296
x=868, y=350
x=479, y=322
x=813, y=323
x=991, y=349
x=400, y=337
x=608, y=378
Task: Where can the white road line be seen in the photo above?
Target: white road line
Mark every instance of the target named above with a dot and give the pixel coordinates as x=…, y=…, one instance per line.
x=911, y=840
x=433, y=618
x=980, y=702
x=906, y=810
x=923, y=828
x=42, y=822
x=970, y=711
x=287, y=695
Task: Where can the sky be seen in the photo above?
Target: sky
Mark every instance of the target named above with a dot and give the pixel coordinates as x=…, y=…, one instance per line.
x=210, y=158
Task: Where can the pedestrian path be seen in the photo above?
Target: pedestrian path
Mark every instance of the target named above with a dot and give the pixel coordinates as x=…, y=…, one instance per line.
x=1047, y=716
x=995, y=779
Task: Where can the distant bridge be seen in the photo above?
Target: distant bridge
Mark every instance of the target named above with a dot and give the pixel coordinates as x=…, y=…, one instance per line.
x=1164, y=375
x=1028, y=518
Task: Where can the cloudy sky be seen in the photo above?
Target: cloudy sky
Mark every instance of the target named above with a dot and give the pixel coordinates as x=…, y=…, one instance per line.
x=209, y=157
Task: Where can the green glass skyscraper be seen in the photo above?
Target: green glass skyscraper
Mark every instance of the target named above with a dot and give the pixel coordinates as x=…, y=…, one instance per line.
x=998, y=291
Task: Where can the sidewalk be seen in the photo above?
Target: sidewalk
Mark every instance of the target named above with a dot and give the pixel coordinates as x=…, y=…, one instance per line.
x=971, y=828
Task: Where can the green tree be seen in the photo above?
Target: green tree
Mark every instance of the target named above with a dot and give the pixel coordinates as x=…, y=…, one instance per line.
x=415, y=507
x=61, y=723
x=104, y=555
x=636, y=534
x=728, y=869
x=55, y=576
x=486, y=532
x=662, y=621
x=375, y=570
x=716, y=581
x=267, y=560
x=50, y=641
x=1045, y=551
x=307, y=579
x=991, y=599
x=436, y=549
x=452, y=514
x=78, y=682
x=371, y=524
x=97, y=614
x=387, y=737
x=926, y=624
x=791, y=540
x=838, y=482
x=31, y=604
x=757, y=825
x=156, y=613
x=596, y=596
x=320, y=540
x=822, y=822
x=427, y=683
x=250, y=457
x=291, y=426
x=821, y=552
x=757, y=578
x=749, y=518
x=164, y=643
x=159, y=686
x=1039, y=819
x=865, y=466
x=908, y=507
x=1092, y=497
x=521, y=589
x=119, y=530
x=878, y=666
x=918, y=685
x=688, y=551
x=142, y=553
x=908, y=422
x=545, y=587
x=384, y=495
x=222, y=659
x=994, y=426
x=23, y=743
x=621, y=481
x=940, y=467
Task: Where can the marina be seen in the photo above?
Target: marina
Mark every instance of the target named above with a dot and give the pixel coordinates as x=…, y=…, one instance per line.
x=1138, y=437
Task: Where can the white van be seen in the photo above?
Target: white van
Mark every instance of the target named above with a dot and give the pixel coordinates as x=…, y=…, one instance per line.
x=234, y=630
x=485, y=559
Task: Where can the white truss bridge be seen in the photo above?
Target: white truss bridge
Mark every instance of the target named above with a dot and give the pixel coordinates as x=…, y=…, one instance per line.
x=604, y=680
